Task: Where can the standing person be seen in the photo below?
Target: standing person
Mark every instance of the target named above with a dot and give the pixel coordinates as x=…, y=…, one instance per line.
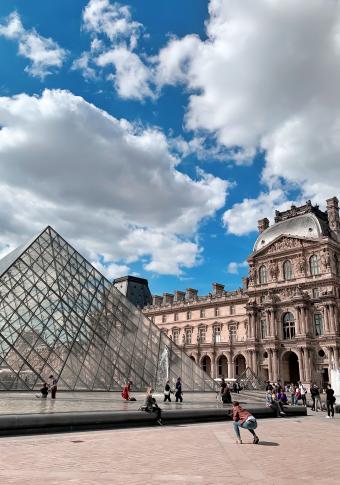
x=292, y=394
x=297, y=395
x=303, y=393
x=178, y=394
x=315, y=392
x=167, y=392
x=226, y=396
x=151, y=405
x=243, y=419
x=330, y=400
x=238, y=387
x=223, y=386
x=53, y=385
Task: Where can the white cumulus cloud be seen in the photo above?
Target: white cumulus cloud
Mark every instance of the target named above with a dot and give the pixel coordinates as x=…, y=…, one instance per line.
x=109, y=187
x=44, y=53
x=234, y=267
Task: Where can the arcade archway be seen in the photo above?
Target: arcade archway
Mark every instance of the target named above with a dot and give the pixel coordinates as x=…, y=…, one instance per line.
x=222, y=366
x=240, y=365
x=206, y=364
x=290, y=367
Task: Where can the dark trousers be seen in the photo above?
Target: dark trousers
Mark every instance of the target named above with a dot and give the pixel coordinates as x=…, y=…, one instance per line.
x=178, y=396
x=304, y=401
x=330, y=408
x=53, y=393
x=167, y=398
x=277, y=406
x=313, y=405
x=157, y=411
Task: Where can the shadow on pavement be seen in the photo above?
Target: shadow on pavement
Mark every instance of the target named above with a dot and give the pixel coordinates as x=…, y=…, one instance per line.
x=268, y=443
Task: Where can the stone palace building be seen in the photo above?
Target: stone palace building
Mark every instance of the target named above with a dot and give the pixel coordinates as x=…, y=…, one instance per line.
x=284, y=322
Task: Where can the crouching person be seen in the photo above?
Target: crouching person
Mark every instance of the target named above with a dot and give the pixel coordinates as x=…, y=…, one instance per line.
x=151, y=405
x=243, y=419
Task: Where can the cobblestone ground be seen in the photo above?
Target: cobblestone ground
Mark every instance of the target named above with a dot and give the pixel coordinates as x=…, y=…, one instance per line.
x=291, y=450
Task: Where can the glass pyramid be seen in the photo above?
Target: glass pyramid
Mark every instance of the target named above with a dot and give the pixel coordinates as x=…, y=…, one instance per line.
x=60, y=316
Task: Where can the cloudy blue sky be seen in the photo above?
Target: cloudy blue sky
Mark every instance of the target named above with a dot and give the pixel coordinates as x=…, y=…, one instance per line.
x=153, y=135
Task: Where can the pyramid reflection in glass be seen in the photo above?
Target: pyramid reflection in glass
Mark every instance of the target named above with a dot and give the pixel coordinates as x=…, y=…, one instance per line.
x=60, y=316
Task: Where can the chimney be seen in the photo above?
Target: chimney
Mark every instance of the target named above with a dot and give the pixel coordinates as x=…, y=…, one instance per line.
x=157, y=300
x=262, y=224
x=179, y=295
x=333, y=213
x=191, y=294
x=217, y=289
x=168, y=298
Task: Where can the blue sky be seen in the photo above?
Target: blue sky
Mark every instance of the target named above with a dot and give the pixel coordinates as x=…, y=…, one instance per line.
x=220, y=113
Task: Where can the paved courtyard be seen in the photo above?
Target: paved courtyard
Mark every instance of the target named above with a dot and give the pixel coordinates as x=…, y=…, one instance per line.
x=300, y=450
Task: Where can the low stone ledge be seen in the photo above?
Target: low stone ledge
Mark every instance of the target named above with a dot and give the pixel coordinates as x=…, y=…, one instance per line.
x=62, y=422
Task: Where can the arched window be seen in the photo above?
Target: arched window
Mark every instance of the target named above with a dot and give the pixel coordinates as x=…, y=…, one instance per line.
x=263, y=275
x=287, y=270
x=288, y=326
x=314, y=265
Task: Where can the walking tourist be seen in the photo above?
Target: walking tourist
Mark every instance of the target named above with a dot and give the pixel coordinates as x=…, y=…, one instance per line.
x=243, y=419
x=53, y=385
x=151, y=405
x=167, y=392
x=315, y=392
x=330, y=400
x=126, y=391
x=179, y=393
x=222, y=386
x=303, y=393
x=273, y=403
x=297, y=395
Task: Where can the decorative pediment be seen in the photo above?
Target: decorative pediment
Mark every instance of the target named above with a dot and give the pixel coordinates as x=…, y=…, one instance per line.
x=283, y=243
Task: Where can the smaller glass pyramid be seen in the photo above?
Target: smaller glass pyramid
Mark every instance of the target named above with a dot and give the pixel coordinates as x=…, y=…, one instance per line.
x=60, y=316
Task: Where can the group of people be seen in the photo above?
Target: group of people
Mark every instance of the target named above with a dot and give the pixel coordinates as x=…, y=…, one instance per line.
x=276, y=397
x=51, y=385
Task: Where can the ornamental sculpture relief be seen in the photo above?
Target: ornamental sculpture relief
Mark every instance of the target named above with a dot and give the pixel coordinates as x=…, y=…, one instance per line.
x=300, y=265
x=252, y=275
x=273, y=270
x=325, y=260
x=284, y=243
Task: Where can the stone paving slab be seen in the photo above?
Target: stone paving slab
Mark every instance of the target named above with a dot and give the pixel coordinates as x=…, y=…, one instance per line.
x=300, y=450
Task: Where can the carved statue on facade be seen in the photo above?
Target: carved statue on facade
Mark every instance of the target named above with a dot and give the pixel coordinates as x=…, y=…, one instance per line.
x=325, y=260
x=273, y=270
x=252, y=275
x=300, y=265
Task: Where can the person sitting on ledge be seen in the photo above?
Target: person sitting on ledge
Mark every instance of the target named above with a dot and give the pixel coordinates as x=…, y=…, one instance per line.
x=272, y=402
x=243, y=419
x=126, y=391
x=151, y=405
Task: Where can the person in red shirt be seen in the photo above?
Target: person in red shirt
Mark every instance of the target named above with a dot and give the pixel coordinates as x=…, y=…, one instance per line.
x=243, y=419
x=126, y=391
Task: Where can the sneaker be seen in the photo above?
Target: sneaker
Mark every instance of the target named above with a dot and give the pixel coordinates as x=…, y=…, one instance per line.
x=327, y=417
x=256, y=440
x=160, y=422
x=282, y=413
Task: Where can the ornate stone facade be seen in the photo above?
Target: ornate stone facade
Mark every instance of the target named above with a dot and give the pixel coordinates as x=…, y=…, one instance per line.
x=284, y=322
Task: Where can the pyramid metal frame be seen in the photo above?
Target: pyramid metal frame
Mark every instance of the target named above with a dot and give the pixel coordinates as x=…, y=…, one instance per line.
x=60, y=316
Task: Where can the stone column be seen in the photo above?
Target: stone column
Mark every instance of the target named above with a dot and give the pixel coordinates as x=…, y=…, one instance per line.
x=254, y=362
x=270, y=365
x=326, y=320
x=336, y=357
x=332, y=318
x=301, y=365
x=298, y=321
x=231, y=372
x=272, y=322
x=307, y=365
x=275, y=365
x=336, y=319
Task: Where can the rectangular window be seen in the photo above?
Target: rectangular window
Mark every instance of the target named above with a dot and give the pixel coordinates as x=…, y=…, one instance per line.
x=318, y=324
x=232, y=309
x=188, y=335
x=232, y=333
x=189, y=315
x=316, y=293
x=202, y=313
x=176, y=317
x=263, y=328
x=175, y=336
x=202, y=334
x=163, y=318
x=217, y=334
x=217, y=311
